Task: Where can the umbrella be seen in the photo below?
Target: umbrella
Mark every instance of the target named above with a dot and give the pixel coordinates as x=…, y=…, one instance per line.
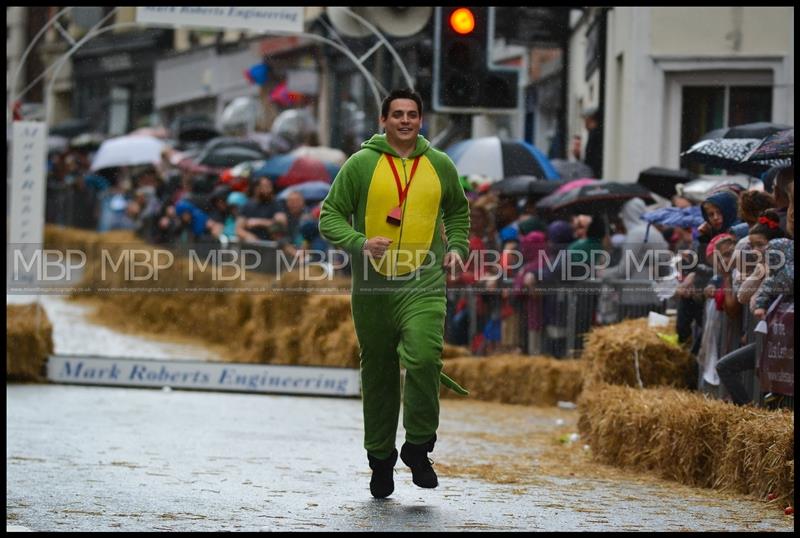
x=128, y=151
x=571, y=169
x=593, y=198
x=663, y=180
x=287, y=170
x=575, y=184
x=56, y=143
x=87, y=141
x=682, y=217
x=323, y=153
x=700, y=188
x=490, y=156
x=727, y=153
x=194, y=128
x=779, y=145
x=238, y=177
x=70, y=128
x=525, y=186
x=156, y=132
x=294, y=125
x=758, y=129
x=240, y=111
x=312, y=191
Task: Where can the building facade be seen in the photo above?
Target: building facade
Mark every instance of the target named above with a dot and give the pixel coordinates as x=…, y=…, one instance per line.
x=668, y=75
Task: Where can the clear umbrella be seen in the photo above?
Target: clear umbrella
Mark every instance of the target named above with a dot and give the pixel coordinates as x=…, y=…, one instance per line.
x=128, y=151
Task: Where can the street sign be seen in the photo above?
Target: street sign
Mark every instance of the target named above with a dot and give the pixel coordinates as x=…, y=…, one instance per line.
x=26, y=219
x=203, y=375
x=261, y=19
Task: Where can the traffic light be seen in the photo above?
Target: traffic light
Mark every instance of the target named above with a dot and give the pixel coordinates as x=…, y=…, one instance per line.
x=463, y=78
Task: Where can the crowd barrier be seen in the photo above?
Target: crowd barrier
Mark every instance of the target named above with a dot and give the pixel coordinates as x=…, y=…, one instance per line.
x=566, y=311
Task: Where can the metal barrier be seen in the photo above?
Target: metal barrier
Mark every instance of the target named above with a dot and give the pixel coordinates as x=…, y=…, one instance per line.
x=568, y=310
x=67, y=205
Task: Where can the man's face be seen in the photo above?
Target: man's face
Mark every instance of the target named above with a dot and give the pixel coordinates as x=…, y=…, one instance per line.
x=295, y=203
x=403, y=121
x=264, y=189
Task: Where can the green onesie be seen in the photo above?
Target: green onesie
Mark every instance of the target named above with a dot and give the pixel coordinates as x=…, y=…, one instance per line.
x=398, y=301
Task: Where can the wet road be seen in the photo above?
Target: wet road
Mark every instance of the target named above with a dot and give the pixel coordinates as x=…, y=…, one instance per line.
x=97, y=458
x=100, y=458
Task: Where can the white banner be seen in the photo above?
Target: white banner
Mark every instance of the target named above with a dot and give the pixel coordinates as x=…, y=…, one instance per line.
x=28, y=181
x=260, y=19
x=262, y=378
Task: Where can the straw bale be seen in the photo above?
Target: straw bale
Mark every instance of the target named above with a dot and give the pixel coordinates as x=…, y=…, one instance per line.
x=28, y=344
x=451, y=352
x=759, y=457
x=517, y=379
x=611, y=353
x=690, y=438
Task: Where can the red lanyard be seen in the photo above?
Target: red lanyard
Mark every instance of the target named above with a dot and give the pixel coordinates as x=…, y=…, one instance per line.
x=401, y=192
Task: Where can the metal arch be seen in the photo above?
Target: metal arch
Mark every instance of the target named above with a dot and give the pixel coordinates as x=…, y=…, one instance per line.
x=94, y=33
x=383, y=40
x=24, y=57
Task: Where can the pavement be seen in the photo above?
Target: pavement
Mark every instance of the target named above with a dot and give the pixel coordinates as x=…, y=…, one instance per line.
x=83, y=458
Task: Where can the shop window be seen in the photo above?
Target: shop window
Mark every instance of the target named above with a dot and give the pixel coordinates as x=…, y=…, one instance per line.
x=119, y=118
x=705, y=108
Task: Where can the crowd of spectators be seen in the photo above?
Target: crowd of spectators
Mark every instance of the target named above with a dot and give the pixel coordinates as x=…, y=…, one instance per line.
x=166, y=205
x=729, y=270
x=732, y=267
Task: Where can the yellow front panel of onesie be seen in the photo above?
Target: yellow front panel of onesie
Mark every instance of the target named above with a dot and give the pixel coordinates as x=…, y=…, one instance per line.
x=412, y=239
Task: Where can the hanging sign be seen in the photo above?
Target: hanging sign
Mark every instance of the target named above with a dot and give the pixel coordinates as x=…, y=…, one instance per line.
x=261, y=19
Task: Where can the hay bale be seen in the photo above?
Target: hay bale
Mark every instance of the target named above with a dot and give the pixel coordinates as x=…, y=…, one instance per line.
x=517, y=379
x=29, y=341
x=611, y=353
x=759, y=456
x=690, y=438
x=452, y=352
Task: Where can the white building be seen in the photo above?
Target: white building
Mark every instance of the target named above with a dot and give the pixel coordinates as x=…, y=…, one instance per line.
x=670, y=74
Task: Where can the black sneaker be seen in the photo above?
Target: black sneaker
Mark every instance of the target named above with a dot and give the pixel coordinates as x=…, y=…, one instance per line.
x=416, y=457
x=382, y=483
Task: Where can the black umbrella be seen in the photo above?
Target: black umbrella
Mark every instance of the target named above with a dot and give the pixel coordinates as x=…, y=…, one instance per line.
x=662, y=181
x=779, y=145
x=525, y=186
x=70, y=128
x=571, y=169
x=759, y=129
x=728, y=153
x=600, y=197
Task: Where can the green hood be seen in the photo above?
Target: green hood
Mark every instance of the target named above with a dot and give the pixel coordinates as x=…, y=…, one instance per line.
x=378, y=143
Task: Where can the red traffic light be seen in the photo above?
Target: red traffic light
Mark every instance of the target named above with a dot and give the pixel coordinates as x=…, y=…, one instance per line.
x=462, y=21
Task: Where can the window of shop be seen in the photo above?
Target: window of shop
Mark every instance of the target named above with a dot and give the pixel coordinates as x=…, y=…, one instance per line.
x=119, y=117
x=715, y=106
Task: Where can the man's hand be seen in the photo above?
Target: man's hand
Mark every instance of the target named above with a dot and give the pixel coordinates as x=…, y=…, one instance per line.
x=377, y=246
x=452, y=261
